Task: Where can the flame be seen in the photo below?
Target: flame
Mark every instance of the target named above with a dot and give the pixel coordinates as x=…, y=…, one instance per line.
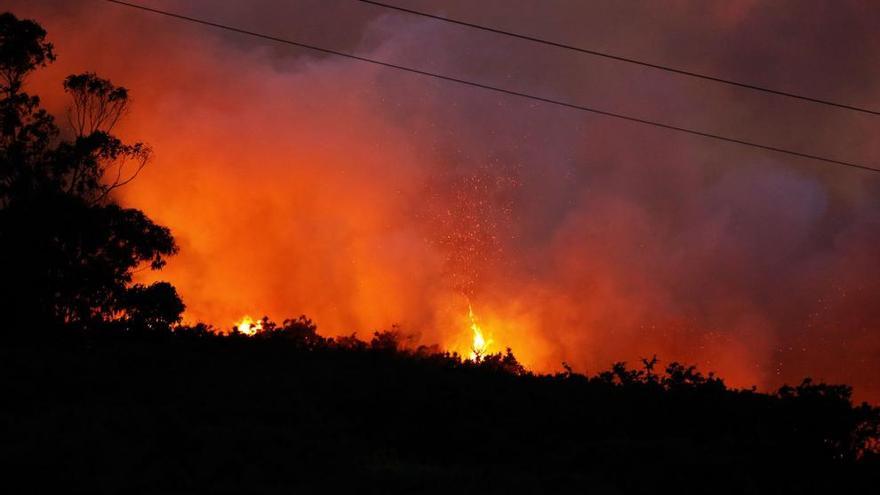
x=248, y=326
x=480, y=344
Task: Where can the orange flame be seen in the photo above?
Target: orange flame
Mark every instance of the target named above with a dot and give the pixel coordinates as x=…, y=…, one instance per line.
x=480, y=345
x=248, y=326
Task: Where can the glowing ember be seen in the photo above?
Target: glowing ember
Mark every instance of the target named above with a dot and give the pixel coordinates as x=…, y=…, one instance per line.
x=248, y=326
x=480, y=344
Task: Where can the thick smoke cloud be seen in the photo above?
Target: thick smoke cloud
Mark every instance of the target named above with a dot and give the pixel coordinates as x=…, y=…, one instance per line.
x=301, y=183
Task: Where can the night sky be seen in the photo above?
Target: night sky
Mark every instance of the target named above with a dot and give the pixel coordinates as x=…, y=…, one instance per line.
x=298, y=182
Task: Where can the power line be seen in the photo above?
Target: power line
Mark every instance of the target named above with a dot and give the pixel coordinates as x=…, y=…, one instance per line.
x=620, y=58
x=497, y=89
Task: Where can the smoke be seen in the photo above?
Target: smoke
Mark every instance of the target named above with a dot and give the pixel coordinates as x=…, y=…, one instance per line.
x=301, y=183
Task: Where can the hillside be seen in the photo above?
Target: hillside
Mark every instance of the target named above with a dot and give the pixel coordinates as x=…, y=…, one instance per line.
x=195, y=412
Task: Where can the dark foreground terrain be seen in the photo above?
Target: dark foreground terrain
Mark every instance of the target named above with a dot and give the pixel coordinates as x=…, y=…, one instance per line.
x=295, y=413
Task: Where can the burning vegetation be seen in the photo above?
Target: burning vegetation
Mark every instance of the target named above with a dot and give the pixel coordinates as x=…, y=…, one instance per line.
x=361, y=214
x=247, y=326
x=480, y=343
x=106, y=389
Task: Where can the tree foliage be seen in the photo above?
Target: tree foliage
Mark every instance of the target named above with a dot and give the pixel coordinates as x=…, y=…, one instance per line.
x=67, y=249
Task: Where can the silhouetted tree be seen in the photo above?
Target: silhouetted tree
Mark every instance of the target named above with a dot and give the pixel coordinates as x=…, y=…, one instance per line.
x=152, y=307
x=505, y=363
x=25, y=129
x=387, y=340
x=198, y=331
x=620, y=375
x=67, y=250
x=301, y=332
x=822, y=417
x=350, y=343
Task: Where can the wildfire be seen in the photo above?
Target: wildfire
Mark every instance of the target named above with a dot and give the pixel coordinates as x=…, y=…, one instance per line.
x=248, y=326
x=480, y=344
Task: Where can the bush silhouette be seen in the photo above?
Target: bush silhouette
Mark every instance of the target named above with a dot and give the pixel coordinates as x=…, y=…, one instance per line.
x=152, y=307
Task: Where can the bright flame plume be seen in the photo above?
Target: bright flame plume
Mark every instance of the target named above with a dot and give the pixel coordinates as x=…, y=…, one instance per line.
x=248, y=326
x=480, y=345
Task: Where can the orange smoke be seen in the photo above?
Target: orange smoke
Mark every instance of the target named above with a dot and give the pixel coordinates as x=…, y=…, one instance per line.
x=365, y=198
